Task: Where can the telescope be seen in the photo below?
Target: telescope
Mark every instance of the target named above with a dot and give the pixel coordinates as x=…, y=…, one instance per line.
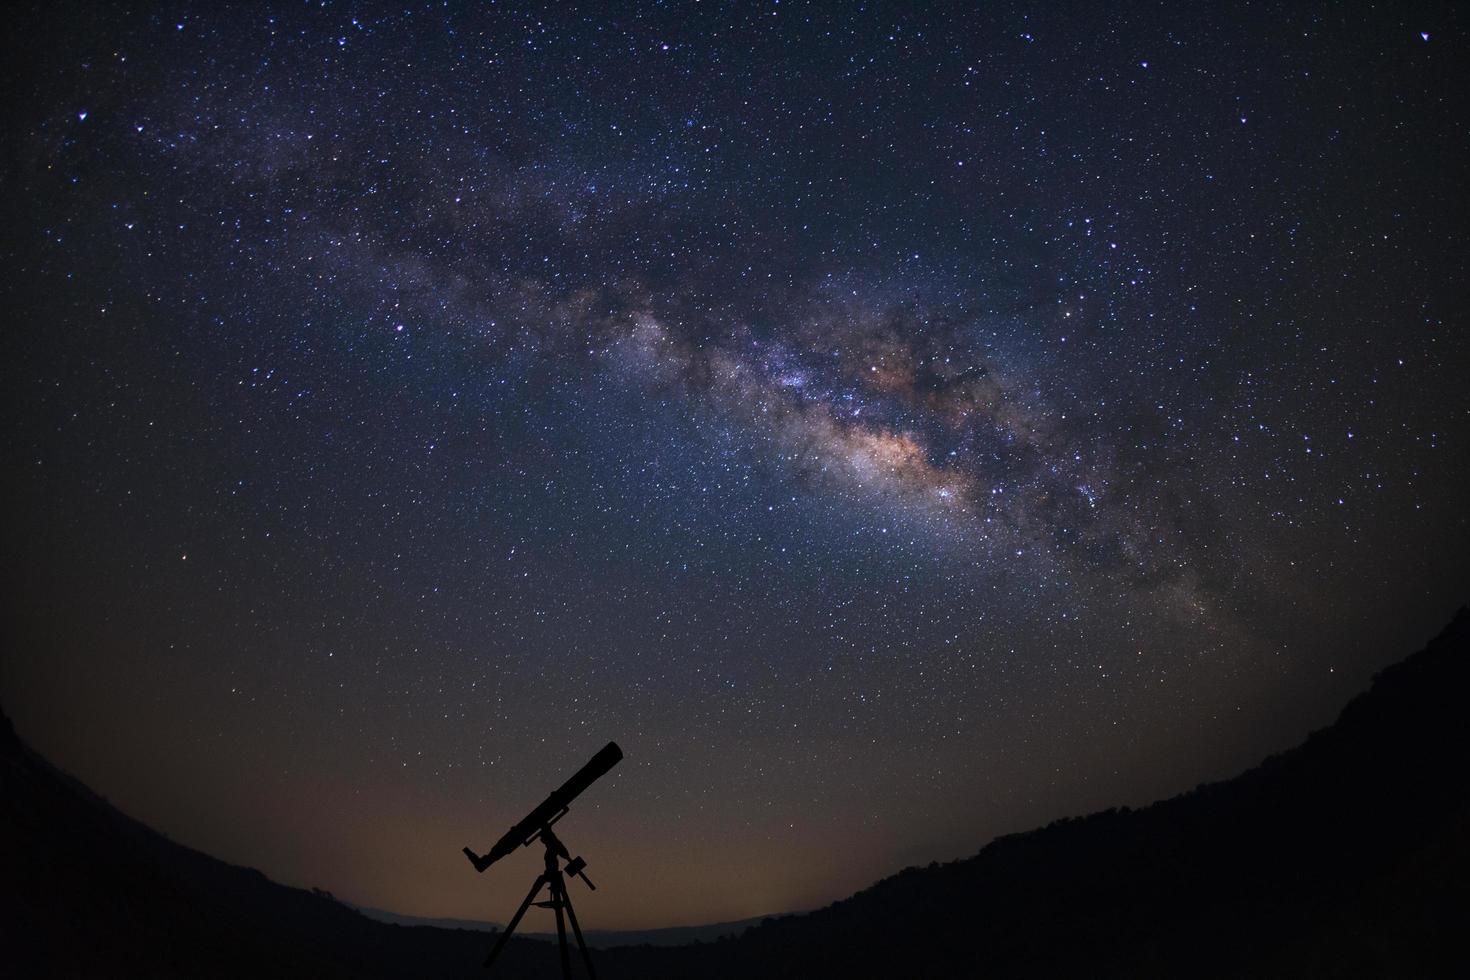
x=535, y=826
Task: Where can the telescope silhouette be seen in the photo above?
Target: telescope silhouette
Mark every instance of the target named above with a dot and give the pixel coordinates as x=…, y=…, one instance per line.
x=536, y=825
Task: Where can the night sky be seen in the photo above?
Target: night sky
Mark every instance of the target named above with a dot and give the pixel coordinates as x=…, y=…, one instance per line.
x=894, y=427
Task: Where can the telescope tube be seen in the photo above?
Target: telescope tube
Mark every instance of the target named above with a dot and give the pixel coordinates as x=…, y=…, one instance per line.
x=559, y=800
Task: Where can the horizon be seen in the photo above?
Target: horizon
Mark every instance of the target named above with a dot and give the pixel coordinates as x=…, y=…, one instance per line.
x=895, y=428
x=642, y=935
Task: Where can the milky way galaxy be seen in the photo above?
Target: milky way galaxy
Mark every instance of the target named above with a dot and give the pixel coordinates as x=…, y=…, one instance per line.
x=894, y=427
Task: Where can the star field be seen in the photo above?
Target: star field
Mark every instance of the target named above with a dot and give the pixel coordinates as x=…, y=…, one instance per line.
x=895, y=427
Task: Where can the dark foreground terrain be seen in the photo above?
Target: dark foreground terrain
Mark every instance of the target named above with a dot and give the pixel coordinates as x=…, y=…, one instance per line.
x=1348, y=856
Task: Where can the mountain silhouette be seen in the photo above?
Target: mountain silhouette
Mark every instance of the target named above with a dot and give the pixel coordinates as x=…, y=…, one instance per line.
x=89, y=892
x=1348, y=856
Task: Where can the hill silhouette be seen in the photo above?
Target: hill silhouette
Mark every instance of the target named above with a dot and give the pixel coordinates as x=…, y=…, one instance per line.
x=86, y=891
x=1348, y=856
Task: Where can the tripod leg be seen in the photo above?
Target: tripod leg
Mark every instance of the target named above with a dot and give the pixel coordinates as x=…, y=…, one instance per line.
x=515, y=921
x=577, y=931
x=559, y=898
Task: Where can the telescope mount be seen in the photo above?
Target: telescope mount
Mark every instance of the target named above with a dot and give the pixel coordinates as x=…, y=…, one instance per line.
x=554, y=878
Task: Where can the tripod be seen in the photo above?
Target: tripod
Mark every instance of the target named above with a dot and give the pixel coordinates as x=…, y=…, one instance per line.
x=553, y=877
